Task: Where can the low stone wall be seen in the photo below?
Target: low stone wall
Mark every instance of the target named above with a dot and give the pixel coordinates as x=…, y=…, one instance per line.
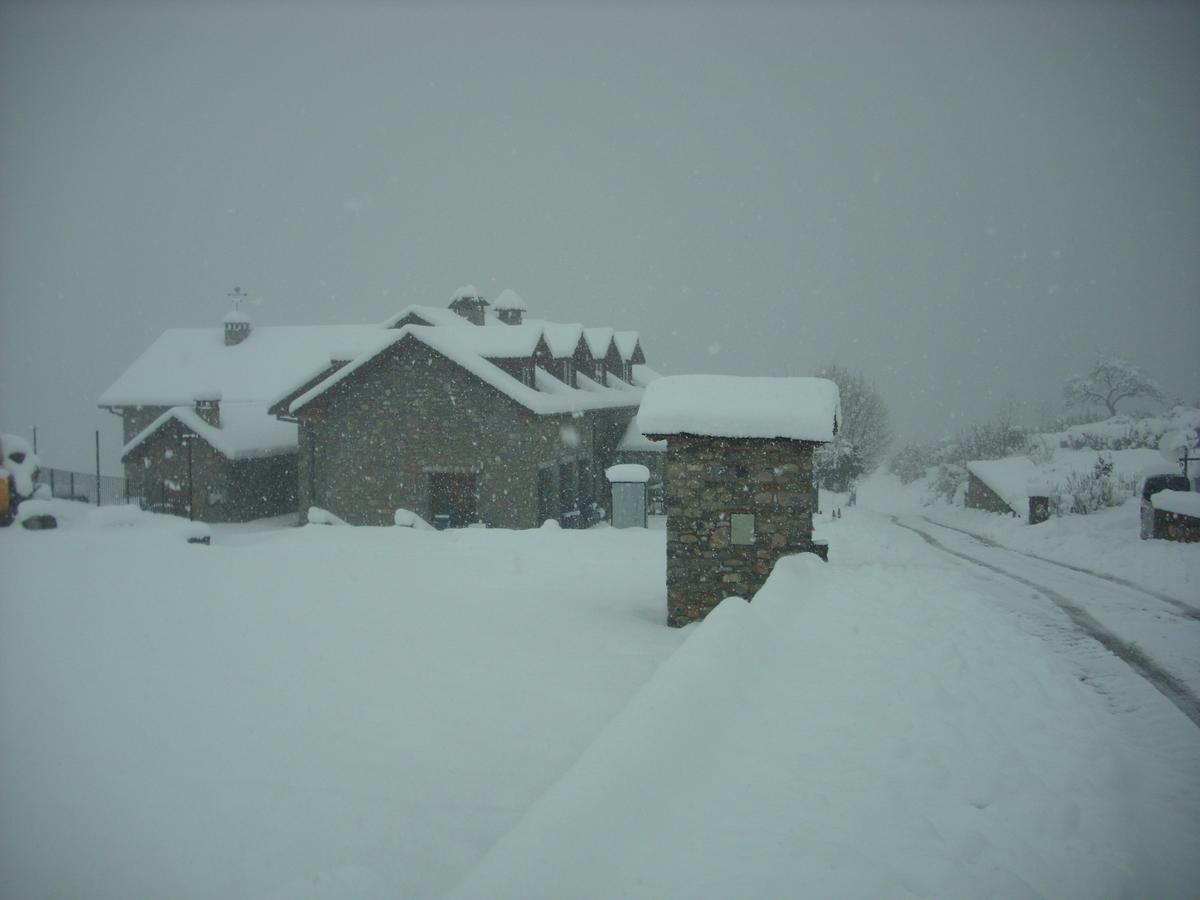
x=1171, y=526
x=708, y=481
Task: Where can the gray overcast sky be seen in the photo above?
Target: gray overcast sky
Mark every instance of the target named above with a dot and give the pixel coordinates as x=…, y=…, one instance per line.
x=967, y=202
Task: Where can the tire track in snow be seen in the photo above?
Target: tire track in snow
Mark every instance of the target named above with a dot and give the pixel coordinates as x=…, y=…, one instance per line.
x=1163, y=681
x=1189, y=612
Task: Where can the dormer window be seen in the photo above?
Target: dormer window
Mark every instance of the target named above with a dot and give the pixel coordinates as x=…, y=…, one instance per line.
x=568, y=372
x=599, y=371
x=527, y=372
x=627, y=372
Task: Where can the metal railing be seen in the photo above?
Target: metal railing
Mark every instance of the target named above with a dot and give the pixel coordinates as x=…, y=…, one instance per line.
x=99, y=490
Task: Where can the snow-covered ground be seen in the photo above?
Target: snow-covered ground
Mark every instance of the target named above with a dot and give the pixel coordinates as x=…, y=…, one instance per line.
x=384, y=712
x=1105, y=541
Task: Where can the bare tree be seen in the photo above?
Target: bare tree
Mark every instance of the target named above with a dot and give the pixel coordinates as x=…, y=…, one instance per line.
x=1110, y=381
x=864, y=424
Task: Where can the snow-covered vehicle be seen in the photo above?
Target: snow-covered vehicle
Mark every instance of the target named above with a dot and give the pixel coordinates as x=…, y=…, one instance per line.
x=1151, y=486
x=18, y=468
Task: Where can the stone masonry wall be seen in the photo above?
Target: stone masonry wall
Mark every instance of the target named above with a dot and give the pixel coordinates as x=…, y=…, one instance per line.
x=158, y=470
x=220, y=490
x=368, y=447
x=136, y=419
x=980, y=496
x=708, y=480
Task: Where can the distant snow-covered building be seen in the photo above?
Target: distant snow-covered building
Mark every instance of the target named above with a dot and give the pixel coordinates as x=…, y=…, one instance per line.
x=463, y=414
x=199, y=437
x=739, y=490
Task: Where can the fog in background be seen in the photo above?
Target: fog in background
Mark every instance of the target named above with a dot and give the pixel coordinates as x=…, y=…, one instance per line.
x=966, y=202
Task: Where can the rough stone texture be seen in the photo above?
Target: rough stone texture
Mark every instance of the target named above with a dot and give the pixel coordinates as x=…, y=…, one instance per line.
x=136, y=419
x=1171, y=526
x=221, y=490
x=980, y=496
x=708, y=480
x=1039, y=510
x=369, y=445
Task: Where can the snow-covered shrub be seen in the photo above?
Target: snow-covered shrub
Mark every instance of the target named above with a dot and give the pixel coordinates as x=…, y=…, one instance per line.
x=1041, y=450
x=1134, y=436
x=911, y=462
x=837, y=465
x=992, y=440
x=1087, y=492
x=950, y=483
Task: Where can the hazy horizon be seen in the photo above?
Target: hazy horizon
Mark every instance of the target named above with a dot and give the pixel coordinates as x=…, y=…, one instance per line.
x=966, y=203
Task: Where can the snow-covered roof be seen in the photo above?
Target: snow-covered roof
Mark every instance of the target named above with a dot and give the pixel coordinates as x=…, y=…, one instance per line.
x=247, y=431
x=507, y=342
x=467, y=292
x=730, y=406
x=1009, y=478
x=563, y=340
x=509, y=299
x=626, y=473
x=430, y=315
x=636, y=442
x=1182, y=503
x=627, y=342
x=463, y=346
x=271, y=361
x=598, y=340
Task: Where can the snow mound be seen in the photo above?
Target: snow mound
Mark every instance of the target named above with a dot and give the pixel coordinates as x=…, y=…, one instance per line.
x=406, y=518
x=852, y=734
x=1182, y=503
x=318, y=516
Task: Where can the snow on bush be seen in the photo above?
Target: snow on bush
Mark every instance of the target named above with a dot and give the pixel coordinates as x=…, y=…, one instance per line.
x=1087, y=492
x=911, y=462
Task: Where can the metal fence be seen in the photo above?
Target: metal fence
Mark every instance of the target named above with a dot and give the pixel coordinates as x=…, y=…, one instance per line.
x=113, y=490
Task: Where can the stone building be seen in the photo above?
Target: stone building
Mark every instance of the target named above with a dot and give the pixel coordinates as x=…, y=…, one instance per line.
x=202, y=394
x=463, y=415
x=1001, y=485
x=738, y=479
x=507, y=425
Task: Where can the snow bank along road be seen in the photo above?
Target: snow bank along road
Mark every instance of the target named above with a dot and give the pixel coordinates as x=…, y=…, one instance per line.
x=1155, y=635
x=363, y=713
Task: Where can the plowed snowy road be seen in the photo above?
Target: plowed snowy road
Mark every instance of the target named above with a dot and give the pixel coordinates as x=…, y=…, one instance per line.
x=1083, y=613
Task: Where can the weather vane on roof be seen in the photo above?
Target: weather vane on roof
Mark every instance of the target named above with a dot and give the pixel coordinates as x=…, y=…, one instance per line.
x=238, y=295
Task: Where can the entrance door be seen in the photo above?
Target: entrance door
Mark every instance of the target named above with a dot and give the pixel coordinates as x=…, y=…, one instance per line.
x=453, y=500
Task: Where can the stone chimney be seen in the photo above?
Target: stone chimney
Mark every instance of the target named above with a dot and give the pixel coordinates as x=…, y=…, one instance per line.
x=207, y=405
x=509, y=307
x=237, y=323
x=469, y=303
